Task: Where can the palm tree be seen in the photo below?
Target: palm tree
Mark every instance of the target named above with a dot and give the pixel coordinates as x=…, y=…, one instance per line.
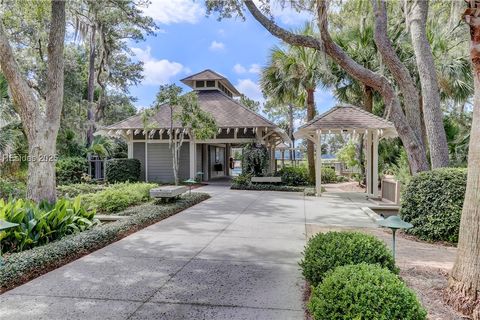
x=290, y=78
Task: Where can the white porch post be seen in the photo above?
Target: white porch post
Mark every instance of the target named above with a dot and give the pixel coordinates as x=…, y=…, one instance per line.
x=375, y=163
x=192, y=153
x=369, y=160
x=272, y=156
x=146, y=156
x=130, y=145
x=318, y=164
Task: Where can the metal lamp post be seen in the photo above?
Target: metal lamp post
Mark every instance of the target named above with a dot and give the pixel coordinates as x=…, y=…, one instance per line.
x=4, y=225
x=394, y=223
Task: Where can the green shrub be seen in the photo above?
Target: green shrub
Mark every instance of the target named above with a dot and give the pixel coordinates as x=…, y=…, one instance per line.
x=341, y=179
x=23, y=266
x=294, y=176
x=326, y=251
x=433, y=201
x=11, y=189
x=242, y=179
x=42, y=223
x=364, y=291
x=74, y=190
x=255, y=159
x=118, y=197
x=267, y=187
x=328, y=175
x=122, y=170
x=70, y=170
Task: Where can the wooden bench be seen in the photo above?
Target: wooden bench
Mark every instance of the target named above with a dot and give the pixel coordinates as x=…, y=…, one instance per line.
x=267, y=179
x=167, y=192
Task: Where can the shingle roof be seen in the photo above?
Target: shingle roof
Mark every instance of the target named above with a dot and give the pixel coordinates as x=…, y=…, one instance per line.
x=227, y=112
x=209, y=75
x=347, y=116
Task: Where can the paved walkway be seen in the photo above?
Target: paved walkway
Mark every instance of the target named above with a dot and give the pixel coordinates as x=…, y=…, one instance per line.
x=233, y=256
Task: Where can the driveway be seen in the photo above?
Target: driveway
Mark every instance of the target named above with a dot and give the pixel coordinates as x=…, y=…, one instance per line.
x=234, y=256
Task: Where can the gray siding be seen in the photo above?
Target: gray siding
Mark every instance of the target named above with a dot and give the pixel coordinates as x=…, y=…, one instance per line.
x=199, y=166
x=139, y=153
x=160, y=162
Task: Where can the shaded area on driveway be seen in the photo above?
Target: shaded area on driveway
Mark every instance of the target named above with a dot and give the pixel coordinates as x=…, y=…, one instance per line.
x=234, y=256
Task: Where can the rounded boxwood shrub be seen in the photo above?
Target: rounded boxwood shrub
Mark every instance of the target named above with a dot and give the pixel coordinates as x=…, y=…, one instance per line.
x=326, y=251
x=328, y=175
x=433, y=201
x=123, y=170
x=364, y=291
x=70, y=170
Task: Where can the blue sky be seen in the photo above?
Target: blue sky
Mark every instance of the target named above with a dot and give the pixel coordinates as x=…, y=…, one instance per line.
x=189, y=42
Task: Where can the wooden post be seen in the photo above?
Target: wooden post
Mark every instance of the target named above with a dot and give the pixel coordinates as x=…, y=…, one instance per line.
x=192, y=154
x=318, y=169
x=375, y=163
x=369, y=166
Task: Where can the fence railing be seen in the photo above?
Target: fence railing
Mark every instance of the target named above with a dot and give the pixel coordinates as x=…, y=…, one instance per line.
x=391, y=190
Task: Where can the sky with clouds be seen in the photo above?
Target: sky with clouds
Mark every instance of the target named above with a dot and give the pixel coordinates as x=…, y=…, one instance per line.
x=188, y=42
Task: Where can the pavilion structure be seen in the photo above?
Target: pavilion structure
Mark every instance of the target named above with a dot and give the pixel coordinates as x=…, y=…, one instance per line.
x=349, y=120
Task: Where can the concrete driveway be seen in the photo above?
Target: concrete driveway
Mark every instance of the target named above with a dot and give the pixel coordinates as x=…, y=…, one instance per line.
x=233, y=256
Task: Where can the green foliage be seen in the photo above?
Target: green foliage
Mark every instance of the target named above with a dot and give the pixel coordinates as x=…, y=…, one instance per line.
x=14, y=189
x=267, y=187
x=74, y=190
x=122, y=170
x=70, y=170
x=328, y=175
x=42, y=223
x=433, y=202
x=255, y=159
x=118, y=197
x=364, y=291
x=28, y=264
x=402, y=169
x=294, y=176
x=348, y=154
x=326, y=251
x=242, y=179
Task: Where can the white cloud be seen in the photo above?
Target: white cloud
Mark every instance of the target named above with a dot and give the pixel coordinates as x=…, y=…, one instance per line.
x=250, y=89
x=254, y=68
x=217, y=46
x=238, y=68
x=175, y=11
x=155, y=71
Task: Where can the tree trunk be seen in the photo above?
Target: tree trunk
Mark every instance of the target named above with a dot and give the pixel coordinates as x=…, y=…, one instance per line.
x=414, y=147
x=91, y=88
x=464, y=282
x=432, y=113
x=398, y=69
x=40, y=123
x=310, y=145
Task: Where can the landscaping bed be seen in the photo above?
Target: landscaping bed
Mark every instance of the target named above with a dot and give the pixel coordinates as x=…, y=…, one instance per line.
x=23, y=266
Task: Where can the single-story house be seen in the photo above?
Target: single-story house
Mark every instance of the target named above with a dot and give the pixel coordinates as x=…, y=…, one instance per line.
x=237, y=125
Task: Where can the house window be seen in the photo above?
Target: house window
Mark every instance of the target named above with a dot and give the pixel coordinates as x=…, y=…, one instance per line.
x=200, y=84
x=211, y=84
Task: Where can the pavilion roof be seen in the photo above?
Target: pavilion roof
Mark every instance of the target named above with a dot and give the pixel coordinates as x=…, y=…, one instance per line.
x=346, y=117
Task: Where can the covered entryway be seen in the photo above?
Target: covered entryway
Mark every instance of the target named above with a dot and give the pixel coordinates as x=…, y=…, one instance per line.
x=348, y=119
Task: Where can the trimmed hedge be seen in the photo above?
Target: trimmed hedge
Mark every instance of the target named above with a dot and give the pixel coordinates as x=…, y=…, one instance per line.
x=433, y=202
x=118, y=197
x=294, y=176
x=328, y=175
x=267, y=187
x=70, y=170
x=122, y=170
x=24, y=266
x=364, y=291
x=326, y=251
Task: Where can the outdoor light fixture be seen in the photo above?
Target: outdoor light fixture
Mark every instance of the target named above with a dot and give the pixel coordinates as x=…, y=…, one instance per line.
x=4, y=225
x=394, y=223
